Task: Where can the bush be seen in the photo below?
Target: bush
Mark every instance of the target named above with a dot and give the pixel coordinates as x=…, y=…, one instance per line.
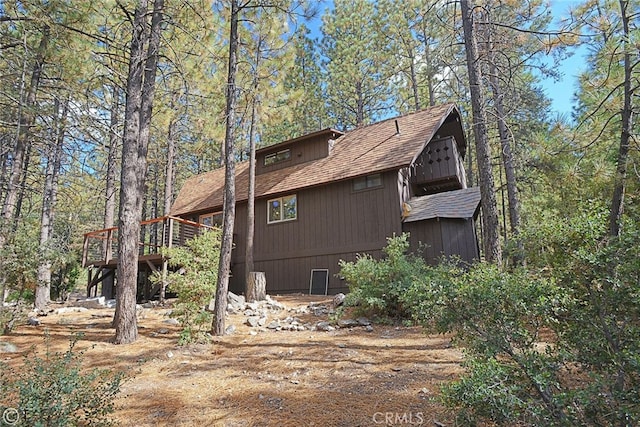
x=559, y=347
x=194, y=283
x=376, y=287
x=497, y=317
x=54, y=391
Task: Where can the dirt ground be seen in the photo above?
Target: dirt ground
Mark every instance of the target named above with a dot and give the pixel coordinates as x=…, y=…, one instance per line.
x=259, y=377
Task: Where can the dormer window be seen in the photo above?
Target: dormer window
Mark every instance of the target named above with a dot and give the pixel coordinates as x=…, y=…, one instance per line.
x=277, y=157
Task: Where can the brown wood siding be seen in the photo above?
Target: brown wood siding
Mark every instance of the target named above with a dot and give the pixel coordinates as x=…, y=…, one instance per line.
x=312, y=149
x=334, y=222
x=434, y=238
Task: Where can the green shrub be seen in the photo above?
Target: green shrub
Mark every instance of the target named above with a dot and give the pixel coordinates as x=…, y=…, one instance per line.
x=54, y=391
x=497, y=317
x=194, y=283
x=10, y=316
x=376, y=287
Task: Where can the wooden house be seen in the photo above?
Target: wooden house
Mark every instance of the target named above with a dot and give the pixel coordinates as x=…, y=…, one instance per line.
x=328, y=196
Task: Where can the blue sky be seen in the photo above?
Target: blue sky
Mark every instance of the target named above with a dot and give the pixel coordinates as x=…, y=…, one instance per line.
x=560, y=92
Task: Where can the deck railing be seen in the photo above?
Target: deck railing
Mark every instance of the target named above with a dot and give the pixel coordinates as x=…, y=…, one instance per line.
x=101, y=246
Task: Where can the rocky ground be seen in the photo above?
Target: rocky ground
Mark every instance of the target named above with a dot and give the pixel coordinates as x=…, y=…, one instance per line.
x=284, y=362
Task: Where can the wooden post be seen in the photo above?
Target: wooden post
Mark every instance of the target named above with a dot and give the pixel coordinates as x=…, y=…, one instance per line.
x=108, y=249
x=257, y=286
x=85, y=251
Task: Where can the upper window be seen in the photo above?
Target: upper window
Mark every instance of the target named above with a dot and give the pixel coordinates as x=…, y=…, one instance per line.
x=282, y=209
x=368, y=181
x=212, y=219
x=278, y=157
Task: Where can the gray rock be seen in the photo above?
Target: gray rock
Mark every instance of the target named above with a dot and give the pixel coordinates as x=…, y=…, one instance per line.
x=363, y=321
x=262, y=321
x=348, y=323
x=236, y=301
x=324, y=326
x=253, y=321
x=250, y=313
x=230, y=330
x=273, y=325
x=32, y=321
x=338, y=299
x=97, y=302
x=7, y=347
x=171, y=321
x=64, y=310
x=369, y=328
x=163, y=331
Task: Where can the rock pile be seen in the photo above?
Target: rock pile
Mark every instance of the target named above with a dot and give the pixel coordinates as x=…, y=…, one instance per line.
x=270, y=315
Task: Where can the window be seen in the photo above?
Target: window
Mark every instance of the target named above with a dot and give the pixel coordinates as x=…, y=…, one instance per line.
x=282, y=209
x=211, y=219
x=278, y=157
x=369, y=181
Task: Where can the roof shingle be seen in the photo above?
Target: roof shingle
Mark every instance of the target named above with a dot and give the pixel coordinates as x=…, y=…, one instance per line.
x=365, y=150
x=450, y=204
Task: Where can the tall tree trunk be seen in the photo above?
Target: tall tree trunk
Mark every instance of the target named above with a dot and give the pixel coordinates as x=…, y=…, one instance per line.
x=229, y=202
x=169, y=174
x=617, y=201
x=112, y=157
x=124, y=320
x=507, y=152
x=250, y=291
x=25, y=121
x=169, y=177
x=140, y=93
x=492, y=249
x=414, y=78
x=43, y=289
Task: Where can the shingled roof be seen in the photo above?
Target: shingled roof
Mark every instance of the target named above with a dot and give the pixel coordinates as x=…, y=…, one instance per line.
x=365, y=150
x=450, y=204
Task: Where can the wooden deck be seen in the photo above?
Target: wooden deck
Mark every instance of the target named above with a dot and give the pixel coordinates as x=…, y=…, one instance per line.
x=100, y=249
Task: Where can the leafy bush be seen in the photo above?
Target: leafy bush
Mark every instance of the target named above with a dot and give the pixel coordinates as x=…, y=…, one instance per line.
x=194, y=282
x=376, y=287
x=10, y=315
x=54, y=391
x=559, y=347
x=497, y=317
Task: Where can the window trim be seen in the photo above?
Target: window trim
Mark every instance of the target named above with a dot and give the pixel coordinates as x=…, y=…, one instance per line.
x=202, y=217
x=280, y=199
x=367, y=186
x=274, y=157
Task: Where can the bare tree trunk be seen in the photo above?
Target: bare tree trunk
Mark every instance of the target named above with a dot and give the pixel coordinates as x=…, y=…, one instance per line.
x=25, y=121
x=124, y=319
x=493, y=251
x=140, y=92
x=112, y=157
x=43, y=289
x=360, y=105
x=229, y=202
x=169, y=177
x=250, y=290
x=507, y=153
x=617, y=201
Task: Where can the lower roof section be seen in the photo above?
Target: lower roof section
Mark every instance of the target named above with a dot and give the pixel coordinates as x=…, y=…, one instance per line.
x=461, y=204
